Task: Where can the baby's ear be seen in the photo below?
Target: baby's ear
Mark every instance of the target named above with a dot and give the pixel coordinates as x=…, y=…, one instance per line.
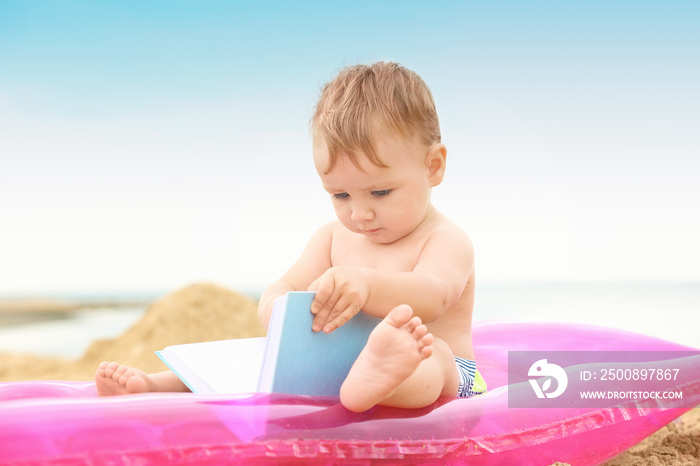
x=435, y=162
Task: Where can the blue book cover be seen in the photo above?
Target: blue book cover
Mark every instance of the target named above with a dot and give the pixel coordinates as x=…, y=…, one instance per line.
x=300, y=361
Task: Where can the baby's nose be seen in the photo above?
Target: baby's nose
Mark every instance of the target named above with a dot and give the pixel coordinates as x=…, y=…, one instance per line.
x=362, y=213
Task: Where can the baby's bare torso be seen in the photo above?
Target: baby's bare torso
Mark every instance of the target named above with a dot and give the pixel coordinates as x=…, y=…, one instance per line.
x=453, y=326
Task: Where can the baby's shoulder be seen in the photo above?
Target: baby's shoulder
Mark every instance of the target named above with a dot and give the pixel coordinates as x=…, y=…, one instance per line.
x=447, y=241
x=332, y=231
x=444, y=229
x=331, y=228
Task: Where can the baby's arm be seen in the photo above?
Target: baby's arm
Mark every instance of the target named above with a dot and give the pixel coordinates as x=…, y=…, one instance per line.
x=445, y=266
x=437, y=281
x=314, y=260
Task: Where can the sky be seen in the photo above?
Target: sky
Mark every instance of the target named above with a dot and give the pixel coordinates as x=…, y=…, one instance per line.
x=149, y=145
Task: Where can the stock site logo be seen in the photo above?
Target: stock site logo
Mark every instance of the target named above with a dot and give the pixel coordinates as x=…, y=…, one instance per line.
x=543, y=369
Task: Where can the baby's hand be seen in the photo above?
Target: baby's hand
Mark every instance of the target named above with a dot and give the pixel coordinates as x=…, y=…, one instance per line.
x=340, y=294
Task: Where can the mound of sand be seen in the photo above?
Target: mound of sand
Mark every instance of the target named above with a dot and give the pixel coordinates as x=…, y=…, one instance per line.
x=200, y=312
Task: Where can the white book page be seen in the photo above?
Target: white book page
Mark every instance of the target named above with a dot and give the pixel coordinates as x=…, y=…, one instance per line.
x=225, y=366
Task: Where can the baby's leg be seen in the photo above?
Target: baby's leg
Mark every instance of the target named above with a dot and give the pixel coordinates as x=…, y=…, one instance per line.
x=112, y=378
x=400, y=366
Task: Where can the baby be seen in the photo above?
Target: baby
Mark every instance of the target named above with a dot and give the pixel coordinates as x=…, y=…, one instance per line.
x=390, y=253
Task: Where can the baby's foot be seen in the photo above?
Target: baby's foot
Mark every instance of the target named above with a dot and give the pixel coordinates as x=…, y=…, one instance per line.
x=393, y=352
x=113, y=378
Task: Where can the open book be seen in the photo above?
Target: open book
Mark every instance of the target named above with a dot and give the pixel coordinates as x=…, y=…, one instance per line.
x=291, y=359
x=226, y=366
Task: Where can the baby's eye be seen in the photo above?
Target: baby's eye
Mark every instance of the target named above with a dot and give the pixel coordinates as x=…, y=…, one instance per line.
x=341, y=196
x=381, y=192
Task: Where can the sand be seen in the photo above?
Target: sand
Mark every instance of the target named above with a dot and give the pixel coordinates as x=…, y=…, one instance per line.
x=207, y=312
x=678, y=443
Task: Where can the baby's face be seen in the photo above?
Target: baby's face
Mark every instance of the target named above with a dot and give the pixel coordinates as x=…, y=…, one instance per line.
x=383, y=203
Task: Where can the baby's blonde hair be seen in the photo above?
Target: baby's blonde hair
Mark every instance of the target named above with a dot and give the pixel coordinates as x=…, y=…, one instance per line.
x=365, y=100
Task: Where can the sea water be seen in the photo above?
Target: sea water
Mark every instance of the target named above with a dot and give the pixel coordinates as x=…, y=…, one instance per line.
x=70, y=336
x=670, y=311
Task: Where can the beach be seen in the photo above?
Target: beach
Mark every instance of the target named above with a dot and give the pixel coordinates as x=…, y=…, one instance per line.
x=207, y=312
x=203, y=312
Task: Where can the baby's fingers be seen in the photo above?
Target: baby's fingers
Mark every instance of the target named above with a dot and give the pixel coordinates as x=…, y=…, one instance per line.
x=324, y=289
x=340, y=319
x=323, y=303
x=315, y=284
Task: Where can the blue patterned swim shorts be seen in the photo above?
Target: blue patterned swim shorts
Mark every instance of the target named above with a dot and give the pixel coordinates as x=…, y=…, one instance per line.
x=470, y=381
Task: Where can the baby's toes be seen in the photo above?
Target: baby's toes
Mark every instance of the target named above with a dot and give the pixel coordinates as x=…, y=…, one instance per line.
x=119, y=373
x=420, y=332
x=110, y=368
x=101, y=369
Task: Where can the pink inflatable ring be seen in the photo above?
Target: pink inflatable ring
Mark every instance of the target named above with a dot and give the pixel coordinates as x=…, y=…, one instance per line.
x=66, y=423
